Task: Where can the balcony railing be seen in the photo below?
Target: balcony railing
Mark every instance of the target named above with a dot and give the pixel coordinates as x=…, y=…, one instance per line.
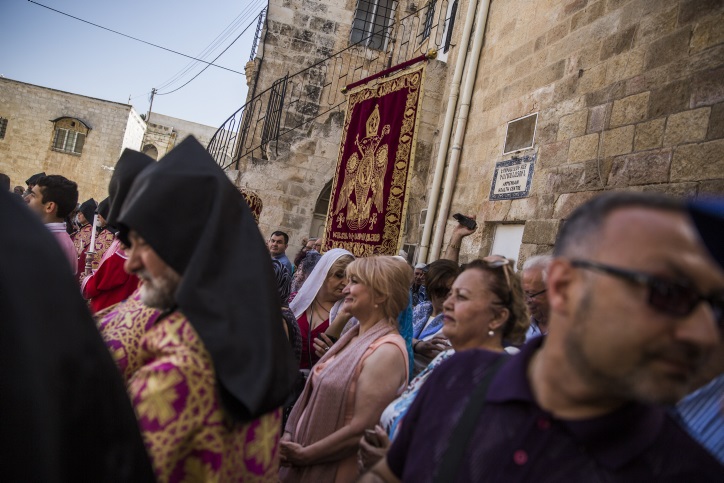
x=291, y=102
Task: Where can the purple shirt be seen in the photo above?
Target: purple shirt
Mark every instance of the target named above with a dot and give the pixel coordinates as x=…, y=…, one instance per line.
x=516, y=440
x=66, y=244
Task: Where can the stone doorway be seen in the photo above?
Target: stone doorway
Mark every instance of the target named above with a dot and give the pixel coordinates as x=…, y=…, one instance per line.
x=319, y=217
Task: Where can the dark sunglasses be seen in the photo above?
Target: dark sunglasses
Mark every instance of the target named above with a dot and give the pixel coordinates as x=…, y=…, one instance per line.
x=534, y=295
x=678, y=298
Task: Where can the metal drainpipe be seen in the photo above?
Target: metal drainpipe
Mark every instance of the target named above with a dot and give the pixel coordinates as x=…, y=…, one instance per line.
x=452, y=170
x=447, y=131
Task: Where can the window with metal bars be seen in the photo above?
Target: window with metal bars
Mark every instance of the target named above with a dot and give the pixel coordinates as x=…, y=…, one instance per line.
x=449, y=24
x=372, y=23
x=429, y=18
x=3, y=127
x=69, y=135
x=68, y=141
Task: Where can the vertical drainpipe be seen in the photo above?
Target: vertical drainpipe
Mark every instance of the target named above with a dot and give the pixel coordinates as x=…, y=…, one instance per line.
x=452, y=170
x=447, y=131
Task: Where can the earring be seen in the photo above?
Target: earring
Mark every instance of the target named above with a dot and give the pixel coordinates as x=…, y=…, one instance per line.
x=491, y=332
x=376, y=306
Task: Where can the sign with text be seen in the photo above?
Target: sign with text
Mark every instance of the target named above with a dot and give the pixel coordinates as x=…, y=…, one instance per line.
x=512, y=178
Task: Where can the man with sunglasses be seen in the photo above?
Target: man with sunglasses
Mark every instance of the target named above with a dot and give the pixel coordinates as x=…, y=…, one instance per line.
x=635, y=314
x=533, y=280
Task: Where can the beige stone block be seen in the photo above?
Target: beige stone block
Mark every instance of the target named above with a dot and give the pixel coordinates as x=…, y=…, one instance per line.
x=649, y=135
x=528, y=250
x=530, y=208
x=677, y=190
x=687, y=126
x=592, y=79
x=618, y=141
x=541, y=232
x=583, y=148
x=572, y=125
x=712, y=187
x=567, y=202
x=624, y=66
x=630, y=109
x=554, y=154
x=494, y=210
x=696, y=162
x=597, y=118
x=707, y=34
x=640, y=168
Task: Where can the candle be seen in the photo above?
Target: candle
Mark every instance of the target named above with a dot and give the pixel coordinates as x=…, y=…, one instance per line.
x=92, y=247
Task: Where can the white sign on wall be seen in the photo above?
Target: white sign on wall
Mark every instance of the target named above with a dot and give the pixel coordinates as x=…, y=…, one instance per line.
x=512, y=178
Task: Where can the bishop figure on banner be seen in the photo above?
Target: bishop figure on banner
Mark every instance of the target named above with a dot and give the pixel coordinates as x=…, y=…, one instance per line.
x=364, y=177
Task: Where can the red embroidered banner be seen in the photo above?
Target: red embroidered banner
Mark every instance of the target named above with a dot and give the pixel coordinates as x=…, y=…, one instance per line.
x=369, y=193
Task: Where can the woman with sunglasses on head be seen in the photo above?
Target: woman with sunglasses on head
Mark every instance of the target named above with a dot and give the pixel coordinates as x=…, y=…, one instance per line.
x=355, y=379
x=484, y=310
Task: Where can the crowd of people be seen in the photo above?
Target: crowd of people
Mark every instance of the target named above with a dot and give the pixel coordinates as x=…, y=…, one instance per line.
x=212, y=355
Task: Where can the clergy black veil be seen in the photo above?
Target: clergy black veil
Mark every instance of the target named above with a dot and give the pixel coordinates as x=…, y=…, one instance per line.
x=64, y=411
x=196, y=220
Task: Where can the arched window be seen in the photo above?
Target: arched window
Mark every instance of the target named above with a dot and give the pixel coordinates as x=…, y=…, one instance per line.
x=69, y=135
x=150, y=151
x=319, y=217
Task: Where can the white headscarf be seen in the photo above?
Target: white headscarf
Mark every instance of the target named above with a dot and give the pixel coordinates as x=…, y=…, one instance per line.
x=311, y=287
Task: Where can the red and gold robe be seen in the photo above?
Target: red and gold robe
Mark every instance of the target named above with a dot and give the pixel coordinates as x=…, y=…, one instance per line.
x=187, y=434
x=110, y=283
x=104, y=240
x=81, y=241
x=172, y=385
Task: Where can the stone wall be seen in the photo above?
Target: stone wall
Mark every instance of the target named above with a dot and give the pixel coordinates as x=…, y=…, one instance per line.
x=26, y=148
x=291, y=174
x=630, y=96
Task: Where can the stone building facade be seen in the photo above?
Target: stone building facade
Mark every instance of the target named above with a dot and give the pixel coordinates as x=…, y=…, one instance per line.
x=293, y=175
x=79, y=137
x=622, y=94
x=164, y=132
x=59, y=132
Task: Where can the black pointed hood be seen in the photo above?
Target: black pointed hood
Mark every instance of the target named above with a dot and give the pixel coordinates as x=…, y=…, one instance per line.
x=129, y=165
x=88, y=208
x=65, y=413
x=196, y=220
x=103, y=208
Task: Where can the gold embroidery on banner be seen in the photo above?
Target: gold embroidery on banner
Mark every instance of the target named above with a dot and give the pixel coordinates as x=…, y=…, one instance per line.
x=392, y=215
x=365, y=176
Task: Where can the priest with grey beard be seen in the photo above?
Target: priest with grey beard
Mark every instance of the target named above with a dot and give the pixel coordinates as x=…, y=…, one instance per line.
x=216, y=366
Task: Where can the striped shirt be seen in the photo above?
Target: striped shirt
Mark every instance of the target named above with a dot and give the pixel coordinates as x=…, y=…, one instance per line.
x=703, y=414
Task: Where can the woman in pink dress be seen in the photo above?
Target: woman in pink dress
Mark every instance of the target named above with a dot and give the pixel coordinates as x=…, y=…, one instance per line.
x=354, y=381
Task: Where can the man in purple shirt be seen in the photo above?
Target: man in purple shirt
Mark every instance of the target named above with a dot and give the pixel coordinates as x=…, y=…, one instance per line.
x=52, y=198
x=635, y=314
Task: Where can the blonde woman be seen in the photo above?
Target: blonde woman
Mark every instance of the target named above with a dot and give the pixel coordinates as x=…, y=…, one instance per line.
x=354, y=381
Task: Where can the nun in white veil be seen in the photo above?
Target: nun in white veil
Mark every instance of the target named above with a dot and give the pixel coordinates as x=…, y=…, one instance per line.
x=319, y=299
